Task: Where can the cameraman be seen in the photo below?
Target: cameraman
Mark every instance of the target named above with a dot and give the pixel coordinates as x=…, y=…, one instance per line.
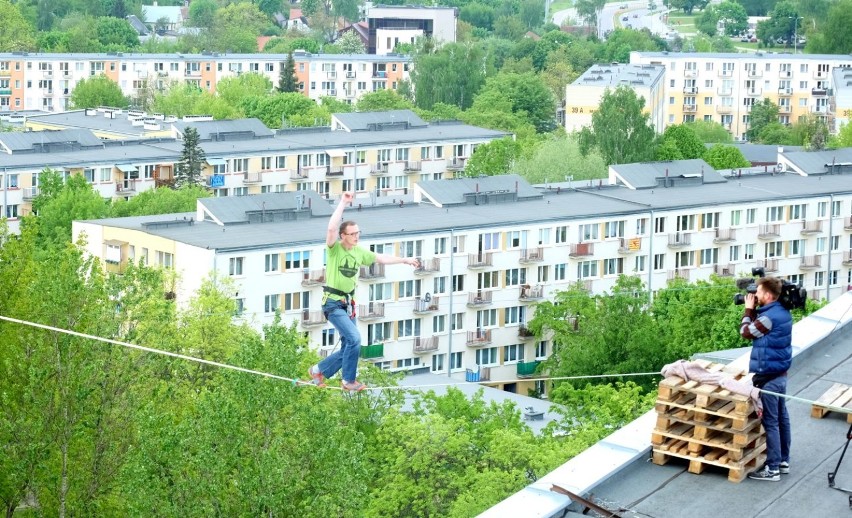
x=770, y=327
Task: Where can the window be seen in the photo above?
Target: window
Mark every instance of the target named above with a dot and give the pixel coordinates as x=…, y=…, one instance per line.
x=614, y=229
x=659, y=225
x=513, y=353
x=515, y=315
x=516, y=276
x=542, y=273
x=613, y=266
x=710, y=220
x=819, y=278
x=541, y=350
x=235, y=266
x=486, y=356
x=439, y=324
x=456, y=360
x=270, y=303
x=709, y=256
x=329, y=337
x=439, y=285
x=458, y=321
x=775, y=213
x=821, y=243
x=272, y=263
x=641, y=226
x=589, y=232
x=489, y=241
x=165, y=259
x=296, y=301
x=587, y=269
x=659, y=262
x=440, y=245
x=734, y=254
x=239, y=165
x=488, y=280
x=513, y=239
x=774, y=249
x=106, y=174
x=748, y=255
x=559, y=272
x=835, y=243
x=796, y=247
x=822, y=209
x=562, y=234
x=381, y=291
x=685, y=223
x=458, y=283
x=11, y=211
x=640, y=263
x=411, y=248
x=402, y=153
x=408, y=328
x=736, y=215
x=297, y=260
x=239, y=307
x=798, y=211
x=833, y=275
x=379, y=332
x=410, y=288
x=458, y=244
x=751, y=216
x=486, y=318
x=12, y=181
x=544, y=235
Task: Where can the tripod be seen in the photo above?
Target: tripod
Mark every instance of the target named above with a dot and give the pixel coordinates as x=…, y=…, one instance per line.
x=832, y=474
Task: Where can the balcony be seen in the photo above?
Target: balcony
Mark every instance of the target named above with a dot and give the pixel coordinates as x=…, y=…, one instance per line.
x=690, y=90
x=678, y=274
x=820, y=74
x=531, y=255
x=524, y=333
x=252, y=177
x=582, y=250
x=529, y=293
x=428, y=266
x=527, y=369
x=371, y=311
x=30, y=193
x=423, y=345
x=5, y=91
x=725, y=92
x=478, y=299
x=480, y=374
x=313, y=277
x=373, y=351
x=629, y=245
x=785, y=92
x=299, y=174
x=335, y=170
x=809, y=262
x=679, y=240
x=374, y=271
x=350, y=74
x=413, y=166
x=847, y=258
x=5, y=73
x=478, y=338
x=820, y=109
x=192, y=73
x=770, y=231
x=456, y=163
x=726, y=73
x=312, y=318
x=690, y=108
x=331, y=74
x=423, y=306
x=753, y=92
x=379, y=169
x=480, y=260
x=380, y=74
x=847, y=223
x=724, y=270
x=819, y=92
x=770, y=265
x=785, y=74
x=690, y=73
x=725, y=235
x=784, y=108
x=754, y=73
x=128, y=187
x=724, y=109
x=812, y=227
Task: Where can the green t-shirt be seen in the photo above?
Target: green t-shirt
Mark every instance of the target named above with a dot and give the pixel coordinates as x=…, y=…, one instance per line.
x=342, y=267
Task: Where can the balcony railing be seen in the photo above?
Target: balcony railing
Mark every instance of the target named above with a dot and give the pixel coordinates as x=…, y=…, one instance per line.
x=480, y=374
x=690, y=108
x=725, y=235
x=30, y=193
x=582, y=250
x=480, y=260
x=724, y=270
x=379, y=169
x=428, y=266
x=769, y=231
x=425, y=306
x=528, y=292
x=753, y=73
x=313, y=277
x=725, y=92
x=479, y=298
x=456, y=163
x=479, y=338
x=524, y=333
x=371, y=311
x=720, y=108
x=312, y=318
x=423, y=345
x=847, y=223
x=527, y=369
x=678, y=274
x=785, y=108
x=374, y=271
x=785, y=74
x=753, y=92
x=726, y=73
x=678, y=240
x=413, y=166
x=847, y=258
x=299, y=174
x=370, y=352
x=812, y=227
x=770, y=265
x=252, y=177
x=531, y=255
x=810, y=262
x=819, y=92
x=785, y=92
x=629, y=245
x=690, y=90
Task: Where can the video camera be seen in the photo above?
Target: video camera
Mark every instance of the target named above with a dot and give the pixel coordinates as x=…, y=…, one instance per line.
x=792, y=296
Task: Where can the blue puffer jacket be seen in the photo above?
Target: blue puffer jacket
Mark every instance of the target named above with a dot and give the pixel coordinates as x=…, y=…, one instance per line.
x=773, y=353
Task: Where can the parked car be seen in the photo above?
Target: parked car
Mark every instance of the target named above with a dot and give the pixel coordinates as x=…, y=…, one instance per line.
x=636, y=15
x=624, y=19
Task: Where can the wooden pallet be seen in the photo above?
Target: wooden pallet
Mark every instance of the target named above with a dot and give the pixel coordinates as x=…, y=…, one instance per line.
x=737, y=469
x=705, y=426
x=839, y=396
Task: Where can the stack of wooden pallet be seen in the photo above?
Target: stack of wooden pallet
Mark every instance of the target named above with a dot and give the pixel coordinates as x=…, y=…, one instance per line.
x=708, y=426
x=838, y=396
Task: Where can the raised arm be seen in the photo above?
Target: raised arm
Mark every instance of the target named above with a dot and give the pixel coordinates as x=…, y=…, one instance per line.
x=392, y=259
x=337, y=218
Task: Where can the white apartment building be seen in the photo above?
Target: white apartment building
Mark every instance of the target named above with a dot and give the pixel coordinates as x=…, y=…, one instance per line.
x=389, y=25
x=43, y=81
x=492, y=247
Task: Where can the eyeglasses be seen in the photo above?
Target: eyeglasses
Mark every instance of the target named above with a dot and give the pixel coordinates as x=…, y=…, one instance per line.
x=353, y=233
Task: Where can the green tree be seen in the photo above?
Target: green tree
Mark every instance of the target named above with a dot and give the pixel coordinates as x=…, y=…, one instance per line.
x=685, y=140
x=557, y=159
x=270, y=7
x=116, y=34
x=287, y=81
x=16, y=33
x=707, y=21
x=159, y=201
x=274, y=109
x=668, y=150
x=775, y=133
x=493, y=158
x=710, y=132
x=382, y=100
x=620, y=42
x=97, y=91
x=843, y=137
x=234, y=89
x=58, y=207
x=188, y=170
x=532, y=13
x=202, y=13
x=688, y=5
x=529, y=98
x=762, y=113
x=350, y=43
x=724, y=156
x=236, y=26
x=478, y=15
x=452, y=74
x=182, y=99
x=733, y=15
x=620, y=130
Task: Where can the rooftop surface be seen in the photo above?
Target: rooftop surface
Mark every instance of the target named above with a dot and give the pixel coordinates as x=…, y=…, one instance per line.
x=632, y=75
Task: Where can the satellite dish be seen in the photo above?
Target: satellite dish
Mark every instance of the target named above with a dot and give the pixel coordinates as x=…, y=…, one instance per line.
x=427, y=297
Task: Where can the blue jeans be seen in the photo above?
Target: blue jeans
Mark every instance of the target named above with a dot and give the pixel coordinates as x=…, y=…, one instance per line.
x=776, y=422
x=337, y=312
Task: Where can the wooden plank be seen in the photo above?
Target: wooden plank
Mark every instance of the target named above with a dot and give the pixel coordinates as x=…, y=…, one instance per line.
x=836, y=391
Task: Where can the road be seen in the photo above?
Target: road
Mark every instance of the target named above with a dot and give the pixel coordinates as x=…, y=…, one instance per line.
x=610, y=14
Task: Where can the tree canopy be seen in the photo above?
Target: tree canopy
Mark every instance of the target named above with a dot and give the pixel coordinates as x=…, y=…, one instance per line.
x=97, y=91
x=620, y=130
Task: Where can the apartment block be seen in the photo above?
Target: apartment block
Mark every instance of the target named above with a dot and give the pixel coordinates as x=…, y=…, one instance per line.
x=389, y=25
x=45, y=81
x=376, y=155
x=492, y=247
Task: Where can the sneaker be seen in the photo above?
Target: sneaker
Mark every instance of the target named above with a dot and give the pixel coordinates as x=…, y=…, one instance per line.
x=764, y=473
x=316, y=376
x=784, y=468
x=355, y=386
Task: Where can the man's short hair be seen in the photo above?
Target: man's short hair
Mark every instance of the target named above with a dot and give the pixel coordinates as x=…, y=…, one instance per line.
x=344, y=226
x=772, y=285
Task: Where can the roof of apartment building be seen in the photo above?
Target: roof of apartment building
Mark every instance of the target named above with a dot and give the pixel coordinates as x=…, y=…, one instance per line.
x=760, y=153
x=808, y=162
x=711, y=56
x=387, y=120
x=618, y=73
x=617, y=472
x=99, y=121
x=210, y=130
x=495, y=208
x=646, y=175
x=205, y=56
x=40, y=141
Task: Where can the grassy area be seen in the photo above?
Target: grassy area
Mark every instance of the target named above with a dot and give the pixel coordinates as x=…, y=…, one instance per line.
x=683, y=23
x=561, y=5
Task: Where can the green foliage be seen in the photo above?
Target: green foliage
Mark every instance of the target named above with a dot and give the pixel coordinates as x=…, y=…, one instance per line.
x=843, y=137
x=493, y=158
x=600, y=407
x=775, y=133
x=116, y=34
x=285, y=45
x=159, y=201
x=684, y=140
x=233, y=90
x=710, y=132
x=688, y=5
x=734, y=16
x=723, y=156
x=762, y=113
x=97, y=91
x=16, y=33
x=620, y=131
x=452, y=74
x=559, y=157
x=478, y=15
x=527, y=95
x=621, y=42
x=382, y=100
x=668, y=150
x=350, y=43
x=182, y=99
x=274, y=109
x=287, y=81
x=188, y=169
x=202, y=13
x=707, y=21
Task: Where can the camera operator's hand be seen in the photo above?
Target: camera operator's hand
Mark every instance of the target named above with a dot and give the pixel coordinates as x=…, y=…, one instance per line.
x=750, y=300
